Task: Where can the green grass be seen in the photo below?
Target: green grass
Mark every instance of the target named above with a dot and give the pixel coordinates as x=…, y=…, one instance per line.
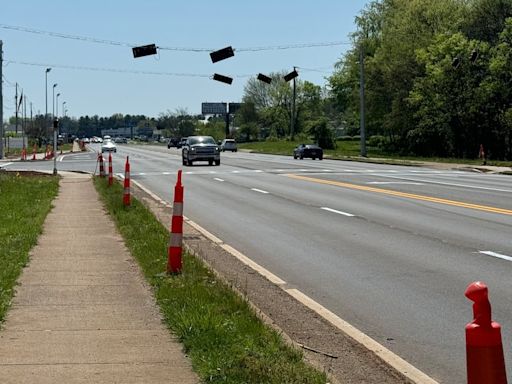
x=24, y=203
x=350, y=150
x=225, y=340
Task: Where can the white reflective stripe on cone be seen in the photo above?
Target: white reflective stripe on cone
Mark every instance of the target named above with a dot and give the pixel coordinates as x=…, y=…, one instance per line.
x=177, y=209
x=127, y=175
x=127, y=191
x=176, y=240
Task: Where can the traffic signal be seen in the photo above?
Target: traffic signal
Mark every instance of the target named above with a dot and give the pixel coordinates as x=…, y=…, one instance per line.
x=222, y=54
x=265, y=79
x=291, y=75
x=144, y=50
x=222, y=79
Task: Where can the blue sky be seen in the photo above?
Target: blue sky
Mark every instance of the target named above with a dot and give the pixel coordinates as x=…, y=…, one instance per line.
x=167, y=23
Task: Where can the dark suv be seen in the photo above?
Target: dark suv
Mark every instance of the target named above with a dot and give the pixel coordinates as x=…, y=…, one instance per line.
x=200, y=148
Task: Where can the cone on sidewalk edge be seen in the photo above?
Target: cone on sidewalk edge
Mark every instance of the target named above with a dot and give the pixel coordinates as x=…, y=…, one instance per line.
x=175, y=250
x=34, y=151
x=126, y=192
x=484, y=349
x=110, y=174
x=102, y=164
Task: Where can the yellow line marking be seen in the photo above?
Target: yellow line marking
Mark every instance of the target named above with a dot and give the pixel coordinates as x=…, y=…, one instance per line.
x=405, y=195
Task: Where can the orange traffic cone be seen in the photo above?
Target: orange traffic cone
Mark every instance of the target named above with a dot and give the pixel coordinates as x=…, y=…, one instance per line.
x=110, y=175
x=175, y=250
x=484, y=349
x=126, y=193
x=102, y=166
x=34, y=151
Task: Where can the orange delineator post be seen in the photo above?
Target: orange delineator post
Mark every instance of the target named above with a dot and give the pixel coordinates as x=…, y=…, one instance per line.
x=24, y=153
x=126, y=193
x=175, y=250
x=102, y=165
x=110, y=175
x=484, y=349
x=34, y=151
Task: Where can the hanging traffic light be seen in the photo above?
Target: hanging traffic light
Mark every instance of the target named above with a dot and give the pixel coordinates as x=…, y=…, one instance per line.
x=144, y=50
x=292, y=75
x=265, y=79
x=222, y=54
x=222, y=79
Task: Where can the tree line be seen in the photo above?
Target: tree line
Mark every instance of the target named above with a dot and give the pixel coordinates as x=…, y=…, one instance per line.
x=439, y=76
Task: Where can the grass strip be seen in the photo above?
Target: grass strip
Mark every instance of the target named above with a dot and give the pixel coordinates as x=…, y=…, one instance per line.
x=225, y=340
x=350, y=150
x=24, y=203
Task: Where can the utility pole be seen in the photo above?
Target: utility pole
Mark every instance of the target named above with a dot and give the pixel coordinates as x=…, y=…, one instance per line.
x=16, y=108
x=1, y=103
x=292, y=120
x=24, y=120
x=362, y=102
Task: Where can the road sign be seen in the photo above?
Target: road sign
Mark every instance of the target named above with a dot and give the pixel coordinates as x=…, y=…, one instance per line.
x=213, y=108
x=234, y=107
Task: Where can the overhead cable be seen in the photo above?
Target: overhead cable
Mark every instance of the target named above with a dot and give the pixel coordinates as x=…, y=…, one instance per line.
x=181, y=49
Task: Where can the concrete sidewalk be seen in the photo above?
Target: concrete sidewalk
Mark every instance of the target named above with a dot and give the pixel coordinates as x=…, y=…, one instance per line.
x=82, y=312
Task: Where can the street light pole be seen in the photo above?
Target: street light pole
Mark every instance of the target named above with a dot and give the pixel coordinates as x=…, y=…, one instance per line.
x=53, y=100
x=362, y=102
x=57, y=106
x=46, y=102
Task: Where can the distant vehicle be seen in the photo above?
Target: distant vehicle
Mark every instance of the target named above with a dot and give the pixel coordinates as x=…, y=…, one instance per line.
x=200, y=148
x=308, y=150
x=173, y=142
x=86, y=140
x=107, y=137
x=108, y=146
x=120, y=140
x=228, y=145
x=181, y=143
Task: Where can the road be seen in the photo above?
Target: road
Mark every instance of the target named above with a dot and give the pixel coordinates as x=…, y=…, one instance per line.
x=390, y=249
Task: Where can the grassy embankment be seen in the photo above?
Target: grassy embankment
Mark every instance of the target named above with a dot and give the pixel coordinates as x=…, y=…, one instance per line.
x=224, y=338
x=350, y=150
x=24, y=202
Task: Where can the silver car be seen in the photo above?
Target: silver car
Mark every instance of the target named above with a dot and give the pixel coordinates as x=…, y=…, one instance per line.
x=200, y=148
x=228, y=145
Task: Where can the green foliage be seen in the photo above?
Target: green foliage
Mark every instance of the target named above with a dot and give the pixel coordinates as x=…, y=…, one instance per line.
x=414, y=96
x=321, y=133
x=24, y=202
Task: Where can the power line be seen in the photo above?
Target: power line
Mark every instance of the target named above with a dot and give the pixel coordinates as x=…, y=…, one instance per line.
x=116, y=70
x=180, y=49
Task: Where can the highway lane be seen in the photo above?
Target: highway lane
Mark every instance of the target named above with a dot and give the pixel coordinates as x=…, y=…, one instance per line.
x=395, y=266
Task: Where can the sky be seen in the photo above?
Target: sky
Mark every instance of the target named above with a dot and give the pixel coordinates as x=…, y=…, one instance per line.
x=104, y=79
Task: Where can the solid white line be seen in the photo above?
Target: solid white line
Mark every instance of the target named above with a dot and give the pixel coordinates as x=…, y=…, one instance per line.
x=120, y=175
x=494, y=254
x=216, y=178
x=408, y=370
x=259, y=190
x=338, y=212
x=5, y=165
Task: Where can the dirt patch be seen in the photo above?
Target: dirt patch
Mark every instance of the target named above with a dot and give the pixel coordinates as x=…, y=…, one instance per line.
x=324, y=345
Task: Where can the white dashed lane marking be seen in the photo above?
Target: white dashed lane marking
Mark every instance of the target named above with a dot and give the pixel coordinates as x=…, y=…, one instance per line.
x=338, y=212
x=495, y=254
x=259, y=191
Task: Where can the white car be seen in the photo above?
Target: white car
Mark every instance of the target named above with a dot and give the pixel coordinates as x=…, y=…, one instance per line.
x=228, y=145
x=108, y=146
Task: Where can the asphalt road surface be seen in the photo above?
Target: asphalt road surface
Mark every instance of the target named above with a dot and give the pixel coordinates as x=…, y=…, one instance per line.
x=390, y=249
